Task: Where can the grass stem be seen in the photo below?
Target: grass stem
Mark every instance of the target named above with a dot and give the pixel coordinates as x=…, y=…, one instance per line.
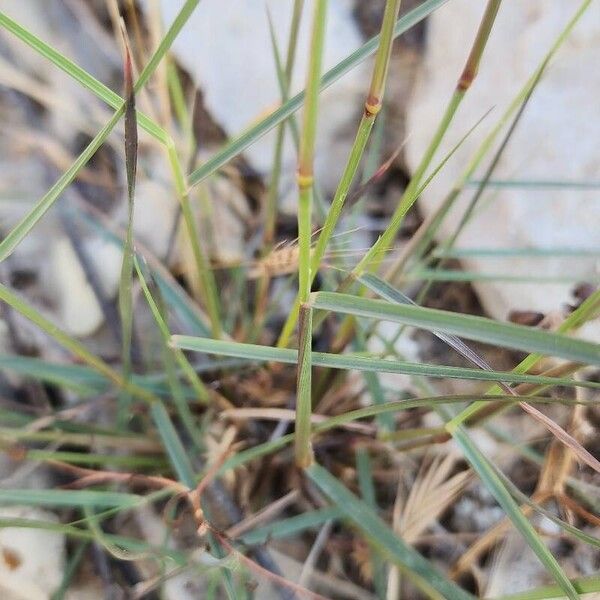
x=372, y=107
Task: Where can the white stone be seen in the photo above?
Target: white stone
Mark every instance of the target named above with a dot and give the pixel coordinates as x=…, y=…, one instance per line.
x=555, y=140
x=183, y=586
x=225, y=224
x=154, y=216
x=78, y=307
x=226, y=48
x=387, y=334
x=31, y=560
x=107, y=258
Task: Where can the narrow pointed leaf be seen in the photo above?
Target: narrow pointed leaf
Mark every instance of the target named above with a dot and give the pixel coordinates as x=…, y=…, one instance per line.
x=493, y=483
x=126, y=281
x=257, y=353
x=379, y=533
x=506, y=335
x=78, y=498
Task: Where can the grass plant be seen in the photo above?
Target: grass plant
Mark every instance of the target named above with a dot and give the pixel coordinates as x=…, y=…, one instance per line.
x=227, y=411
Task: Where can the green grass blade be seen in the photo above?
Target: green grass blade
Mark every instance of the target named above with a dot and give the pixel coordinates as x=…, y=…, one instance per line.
x=170, y=355
x=373, y=104
x=75, y=377
x=206, y=278
x=271, y=446
x=487, y=144
x=506, y=335
x=499, y=253
x=78, y=74
x=495, y=486
x=72, y=498
x=538, y=184
x=16, y=235
x=588, y=309
x=373, y=383
x=176, y=26
x=175, y=450
x=79, y=458
x=379, y=534
x=519, y=496
x=257, y=353
x=303, y=451
x=473, y=276
x=86, y=381
x=160, y=319
x=373, y=257
x=65, y=340
x=400, y=405
x=70, y=571
x=367, y=491
x=258, y=451
x=290, y=526
x=306, y=149
x=284, y=76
